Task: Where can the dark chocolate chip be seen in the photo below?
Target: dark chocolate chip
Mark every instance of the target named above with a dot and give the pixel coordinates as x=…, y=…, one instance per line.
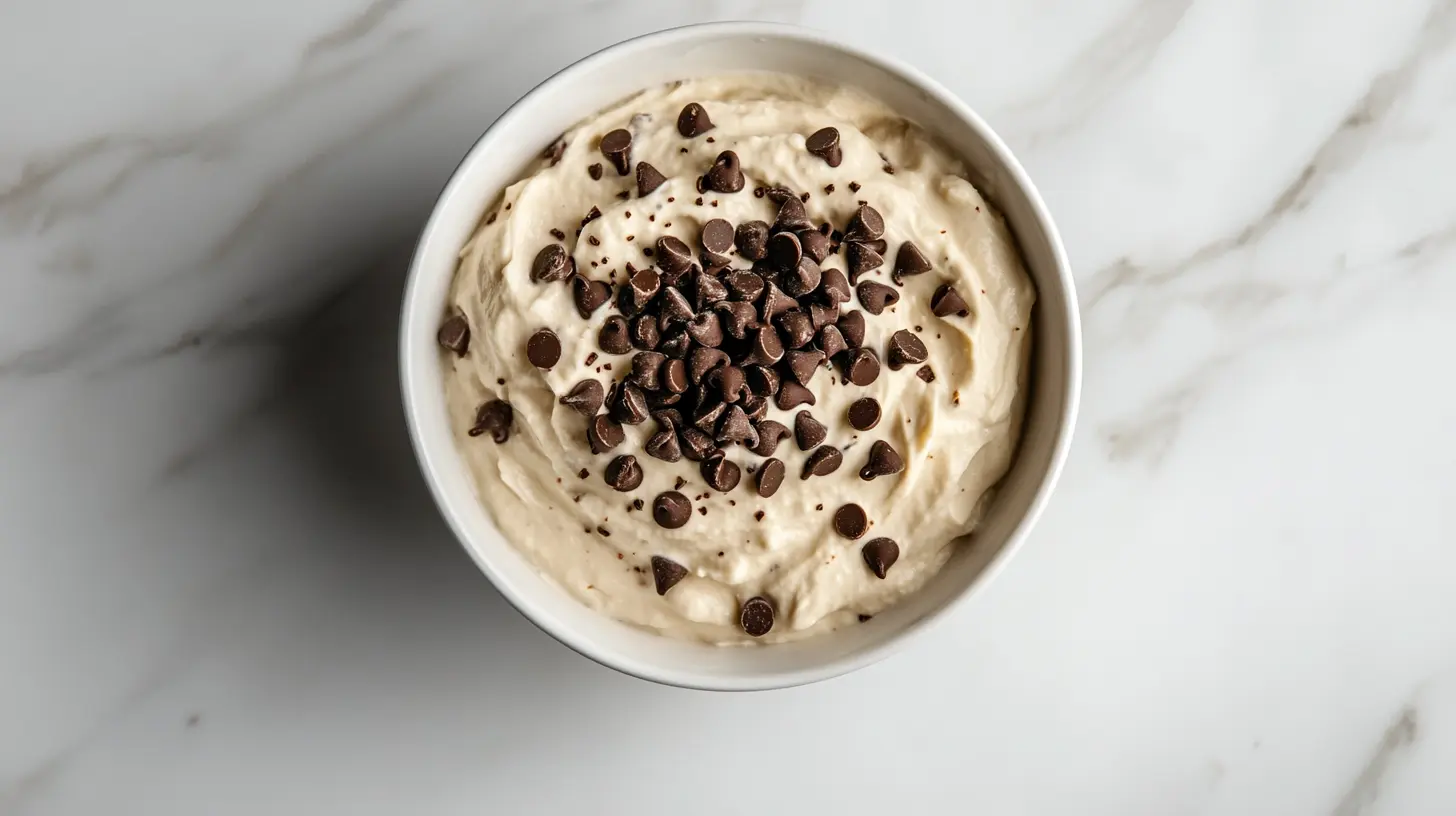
x=884, y=460
x=926, y=373
x=803, y=365
x=676, y=343
x=767, y=348
x=864, y=413
x=823, y=461
x=792, y=395
x=543, y=349
x=824, y=143
x=802, y=279
x=910, y=261
x=648, y=179
x=673, y=307
x=831, y=341
x=642, y=288
x=769, y=476
x=834, y=289
x=671, y=510
x=865, y=225
x=708, y=290
x=494, y=418
x=674, y=376
x=796, y=329
x=784, y=251
x=646, y=370
x=706, y=329
x=595, y=171
x=726, y=176
x=623, y=474
x=876, y=296
x=880, y=554
x=821, y=315
x=815, y=245
x=551, y=264
x=778, y=194
x=862, y=367
x=735, y=427
x=645, y=334
x=666, y=573
x=455, y=335
x=737, y=317
x=603, y=433
x=697, y=445
x=809, y=432
x=717, y=237
x=762, y=380
x=663, y=445
x=850, y=521
x=555, y=150
x=775, y=303
x=852, y=326
x=752, y=240
x=754, y=407
x=791, y=216
x=693, y=121
x=770, y=434
x=704, y=360
x=589, y=295
x=757, y=617
x=617, y=147
x=947, y=301
x=673, y=256
x=744, y=286
x=906, y=349
x=730, y=381
x=630, y=406
x=585, y=398
x=613, y=335
x=861, y=259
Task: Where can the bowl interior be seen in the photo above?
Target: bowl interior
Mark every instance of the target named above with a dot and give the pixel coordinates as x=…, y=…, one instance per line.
x=519, y=136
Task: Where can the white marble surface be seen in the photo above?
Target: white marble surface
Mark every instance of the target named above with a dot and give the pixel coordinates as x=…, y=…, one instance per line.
x=223, y=589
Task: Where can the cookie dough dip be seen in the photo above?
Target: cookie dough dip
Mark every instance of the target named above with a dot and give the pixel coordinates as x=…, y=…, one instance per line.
x=740, y=359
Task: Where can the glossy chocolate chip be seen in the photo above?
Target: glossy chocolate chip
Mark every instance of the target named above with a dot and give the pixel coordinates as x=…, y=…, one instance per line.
x=663, y=445
x=671, y=510
x=796, y=329
x=876, y=296
x=770, y=434
x=666, y=573
x=693, y=120
x=884, y=460
x=706, y=329
x=646, y=370
x=721, y=474
x=612, y=337
x=585, y=398
x=851, y=521
x=880, y=554
x=762, y=380
x=766, y=348
x=673, y=256
x=697, y=445
x=708, y=290
x=802, y=279
x=703, y=360
x=623, y=474
x=752, y=240
x=648, y=179
x=791, y=216
x=824, y=143
x=809, y=433
x=852, y=326
x=589, y=295
x=803, y=365
x=947, y=301
x=630, y=405
x=864, y=413
x=862, y=367
x=726, y=176
x=865, y=225
x=617, y=147
x=861, y=259
x=757, y=616
x=834, y=288
x=910, y=261
x=823, y=461
x=815, y=245
x=674, y=376
x=737, y=318
x=831, y=341
x=769, y=477
x=906, y=349
x=784, y=251
x=543, y=349
x=645, y=334
x=454, y=335
x=551, y=264
x=494, y=418
x=603, y=433
x=792, y=395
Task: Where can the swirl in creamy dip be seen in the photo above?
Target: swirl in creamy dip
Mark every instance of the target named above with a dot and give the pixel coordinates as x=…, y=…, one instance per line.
x=954, y=419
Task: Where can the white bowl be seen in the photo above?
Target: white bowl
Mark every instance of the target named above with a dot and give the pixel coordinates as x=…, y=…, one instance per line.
x=518, y=137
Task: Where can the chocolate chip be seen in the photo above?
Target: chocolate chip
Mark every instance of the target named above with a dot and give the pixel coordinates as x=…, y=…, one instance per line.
x=757, y=617
x=831, y=341
x=778, y=194
x=704, y=360
x=876, y=296
x=755, y=408
x=642, y=288
x=865, y=225
x=880, y=554
x=673, y=256
x=852, y=326
x=775, y=303
x=752, y=240
x=769, y=476
x=737, y=318
x=673, y=308
x=455, y=335
x=947, y=301
x=910, y=261
x=906, y=349
x=926, y=373
x=630, y=406
x=770, y=434
x=879, y=245
x=864, y=413
x=744, y=286
x=850, y=521
x=613, y=335
x=821, y=315
x=726, y=176
x=796, y=329
x=671, y=510
x=603, y=433
x=676, y=343
x=595, y=171
x=803, y=279
x=706, y=330
x=623, y=474
x=730, y=382
x=792, y=395
x=697, y=445
x=861, y=259
x=884, y=460
x=834, y=289
x=792, y=216
x=617, y=147
x=767, y=348
x=784, y=251
x=803, y=365
x=645, y=334
x=589, y=295
x=551, y=264
x=809, y=432
x=823, y=461
x=646, y=368
x=717, y=237
x=720, y=474
x=693, y=121
x=762, y=380
x=543, y=349
x=666, y=573
x=862, y=367
x=674, y=376
x=709, y=290
x=735, y=427
x=494, y=418
x=585, y=398
x=663, y=445
x=555, y=150
x=824, y=143
x=648, y=179
x=815, y=244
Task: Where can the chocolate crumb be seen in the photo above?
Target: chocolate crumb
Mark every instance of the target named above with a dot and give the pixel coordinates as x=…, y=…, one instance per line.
x=828, y=188
x=605, y=532
x=863, y=617
x=818, y=507
x=758, y=516
x=490, y=219
x=854, y=186
x=558, y=234
x=679, y=483
x=591, y=358
x=710, y=140
x=702, y=510
x=500, y=380
x=595, y=171
x=592, y=239
x=583, y=473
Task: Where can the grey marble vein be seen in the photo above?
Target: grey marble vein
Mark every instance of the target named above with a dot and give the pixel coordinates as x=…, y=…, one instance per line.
x=1344, y=147
x=353, y=30
x=1365, y=790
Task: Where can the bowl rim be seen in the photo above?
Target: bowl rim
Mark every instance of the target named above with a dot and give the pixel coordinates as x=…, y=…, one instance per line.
x=845, y=663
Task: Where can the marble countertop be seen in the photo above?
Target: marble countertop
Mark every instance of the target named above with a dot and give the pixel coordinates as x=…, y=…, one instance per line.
x=224, y=590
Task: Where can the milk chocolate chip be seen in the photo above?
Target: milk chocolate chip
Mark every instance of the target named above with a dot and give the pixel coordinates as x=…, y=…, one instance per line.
x=666, y=573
